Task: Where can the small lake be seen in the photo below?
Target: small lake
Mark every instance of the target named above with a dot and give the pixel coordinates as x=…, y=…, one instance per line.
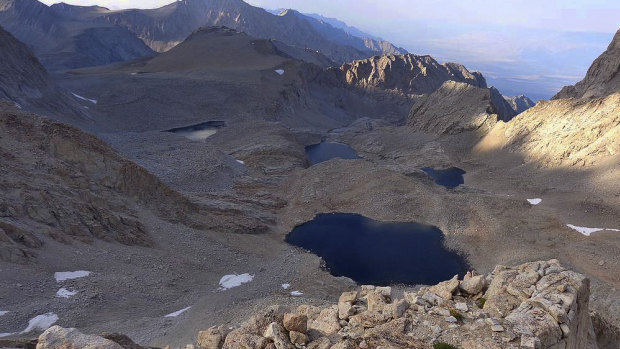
x=451, y=177
x=199, y=132
x=371, y=252
x=324, y=151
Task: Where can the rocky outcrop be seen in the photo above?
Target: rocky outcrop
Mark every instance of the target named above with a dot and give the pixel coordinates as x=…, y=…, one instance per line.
x=505, y=111
x=26, y=83
x=454, y=108
x=408, y=74
x=602, y=79
x=520, y=103
x=538, y=305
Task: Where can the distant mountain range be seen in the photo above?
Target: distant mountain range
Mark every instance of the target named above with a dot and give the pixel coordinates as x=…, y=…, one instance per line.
x=67, y=36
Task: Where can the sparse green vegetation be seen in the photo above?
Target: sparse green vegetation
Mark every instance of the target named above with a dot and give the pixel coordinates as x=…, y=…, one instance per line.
x=456, y=314
x=442, y=345
x=480, y=302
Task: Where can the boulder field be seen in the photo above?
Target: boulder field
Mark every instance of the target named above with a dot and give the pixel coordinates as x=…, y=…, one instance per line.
x=536, y=305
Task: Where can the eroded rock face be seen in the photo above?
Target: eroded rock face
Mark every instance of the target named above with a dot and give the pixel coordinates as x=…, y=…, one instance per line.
x=454, y=108
x=543, y=306
x=408, y=74
x=602, y=78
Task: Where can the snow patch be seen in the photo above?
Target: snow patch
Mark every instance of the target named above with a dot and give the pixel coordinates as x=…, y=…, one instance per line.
x=17, y=105
x=234, y=280
x=177, y=313
x=69, y=275
x=3, y=312
x=286, y=286
x=64, y=293
x=41, y=322
x=534, y=201
x=93, y=101
x=296, y=293
x=583, y=230
x=279, y=71
x=6, y=334
x=241, y=162
x=589, y=231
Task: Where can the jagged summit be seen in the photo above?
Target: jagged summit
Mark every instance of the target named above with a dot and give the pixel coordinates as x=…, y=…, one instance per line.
x=602, y=78
x=408, y=73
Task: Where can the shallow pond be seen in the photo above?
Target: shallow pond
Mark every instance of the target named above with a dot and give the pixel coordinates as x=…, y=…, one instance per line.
x=329, y=150
x=451, y=177
x=371, y=252
x=199, y=132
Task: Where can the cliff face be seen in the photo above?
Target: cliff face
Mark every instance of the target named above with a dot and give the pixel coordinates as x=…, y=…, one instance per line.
x=520, y=103
x=408, y=74
x=538, y=305
x=454, y=108
x=602, y=79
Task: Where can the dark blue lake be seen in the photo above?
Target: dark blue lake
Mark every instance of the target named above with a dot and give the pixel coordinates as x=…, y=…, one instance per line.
x=371, y=252
x=329, y=150
x=451, y=177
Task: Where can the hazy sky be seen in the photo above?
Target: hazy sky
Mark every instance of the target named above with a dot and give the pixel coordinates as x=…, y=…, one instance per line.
x=522, y=46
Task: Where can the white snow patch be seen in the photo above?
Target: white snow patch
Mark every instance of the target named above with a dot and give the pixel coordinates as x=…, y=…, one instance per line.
x=234, y=280
x=279, y=71
x=93, y=101
x=286, y=286
x=296, y=293
x=177, y=313
x=69, y=275
x=41, y=322
x=17, y=105
x=3, y=312
x=583, y=230
x=241, y=162
x=589, y=231
x=534, y=201
x=64, y=293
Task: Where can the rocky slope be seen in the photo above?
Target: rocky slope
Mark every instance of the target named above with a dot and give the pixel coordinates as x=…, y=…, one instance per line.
x=454, y=108
x=602, y=78
x=579, y=127
x=62, y=38
x=538, y=305
x=62, y=184
x=520, y=103
x=409, y=74
x=563, y=132
x=26, y=83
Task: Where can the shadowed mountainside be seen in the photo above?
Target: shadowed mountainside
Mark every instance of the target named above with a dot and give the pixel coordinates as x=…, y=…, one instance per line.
x=26, y=83
x=65, y=38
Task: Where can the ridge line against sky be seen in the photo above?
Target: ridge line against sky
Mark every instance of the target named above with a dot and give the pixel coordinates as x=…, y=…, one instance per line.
x=523, y=46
